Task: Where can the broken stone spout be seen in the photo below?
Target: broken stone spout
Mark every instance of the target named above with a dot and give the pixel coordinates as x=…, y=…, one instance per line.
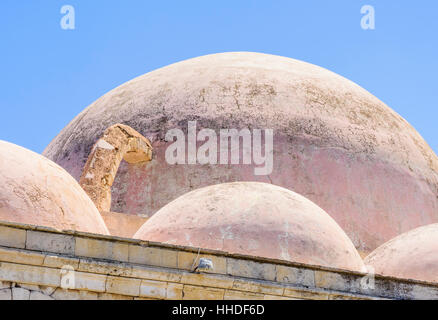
x=118, y=142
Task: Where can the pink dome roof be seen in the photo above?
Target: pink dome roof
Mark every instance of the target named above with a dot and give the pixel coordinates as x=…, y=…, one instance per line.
x=257, y=219
x=34, y=190
x=334, y=142
x=411, y=255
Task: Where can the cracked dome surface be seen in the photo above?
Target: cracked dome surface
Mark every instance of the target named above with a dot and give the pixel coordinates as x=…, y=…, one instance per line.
x=36, y=191
x=256, y=219
x=334, y=142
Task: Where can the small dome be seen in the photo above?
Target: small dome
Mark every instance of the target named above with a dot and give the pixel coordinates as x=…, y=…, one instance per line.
x=34, y=190
x=411, y=255
x=255, y=219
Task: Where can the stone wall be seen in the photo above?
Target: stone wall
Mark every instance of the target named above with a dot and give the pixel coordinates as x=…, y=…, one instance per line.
x=41, y=263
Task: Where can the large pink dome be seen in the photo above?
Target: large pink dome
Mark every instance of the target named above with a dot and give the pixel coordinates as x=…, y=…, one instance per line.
x=257, y=219
x=34, y=190
x=412, y=255
x=334, y=142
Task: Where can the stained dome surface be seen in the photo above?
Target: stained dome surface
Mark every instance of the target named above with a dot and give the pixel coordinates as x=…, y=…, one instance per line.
x=35, y=190
x=333, y=142
x=411, y=255
x=257, y=219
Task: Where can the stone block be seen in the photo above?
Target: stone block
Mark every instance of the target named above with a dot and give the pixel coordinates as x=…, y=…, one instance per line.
x=207, y=280
x=29, y=274
x=153, y=256
x=54, y=261
x=305, y=294
x=101, y=249
x=153, y=289
x=296, y=276
x=50, y=242
x=202, y=293
x=174, y=291
x=12, y=237
x=67, y=294
x=271, y=297
x=20, y=294
x=124, y=286
x=338, y=296
x=89, y=281
x=111, y=296
x=241, y=295
x=258, y=287
x=334, y=281
x=420, y=292
x=251, y=269
x=103, y=267
x=6, y=294
x=21, y=256
x=157, y=274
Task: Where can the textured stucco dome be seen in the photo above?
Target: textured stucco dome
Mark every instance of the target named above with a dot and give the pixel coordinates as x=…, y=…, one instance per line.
x=253, y=218
x=411, y=255
x=334, y=142
x=34, y=190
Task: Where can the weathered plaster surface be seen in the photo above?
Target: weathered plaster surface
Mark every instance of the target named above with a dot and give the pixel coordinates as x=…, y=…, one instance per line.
x=253, y=218
x=412, y=255
x=334, y=142
x=35, y=190
x=122, y=225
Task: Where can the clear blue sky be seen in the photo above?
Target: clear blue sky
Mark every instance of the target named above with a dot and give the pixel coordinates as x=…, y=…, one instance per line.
x=48, y=75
